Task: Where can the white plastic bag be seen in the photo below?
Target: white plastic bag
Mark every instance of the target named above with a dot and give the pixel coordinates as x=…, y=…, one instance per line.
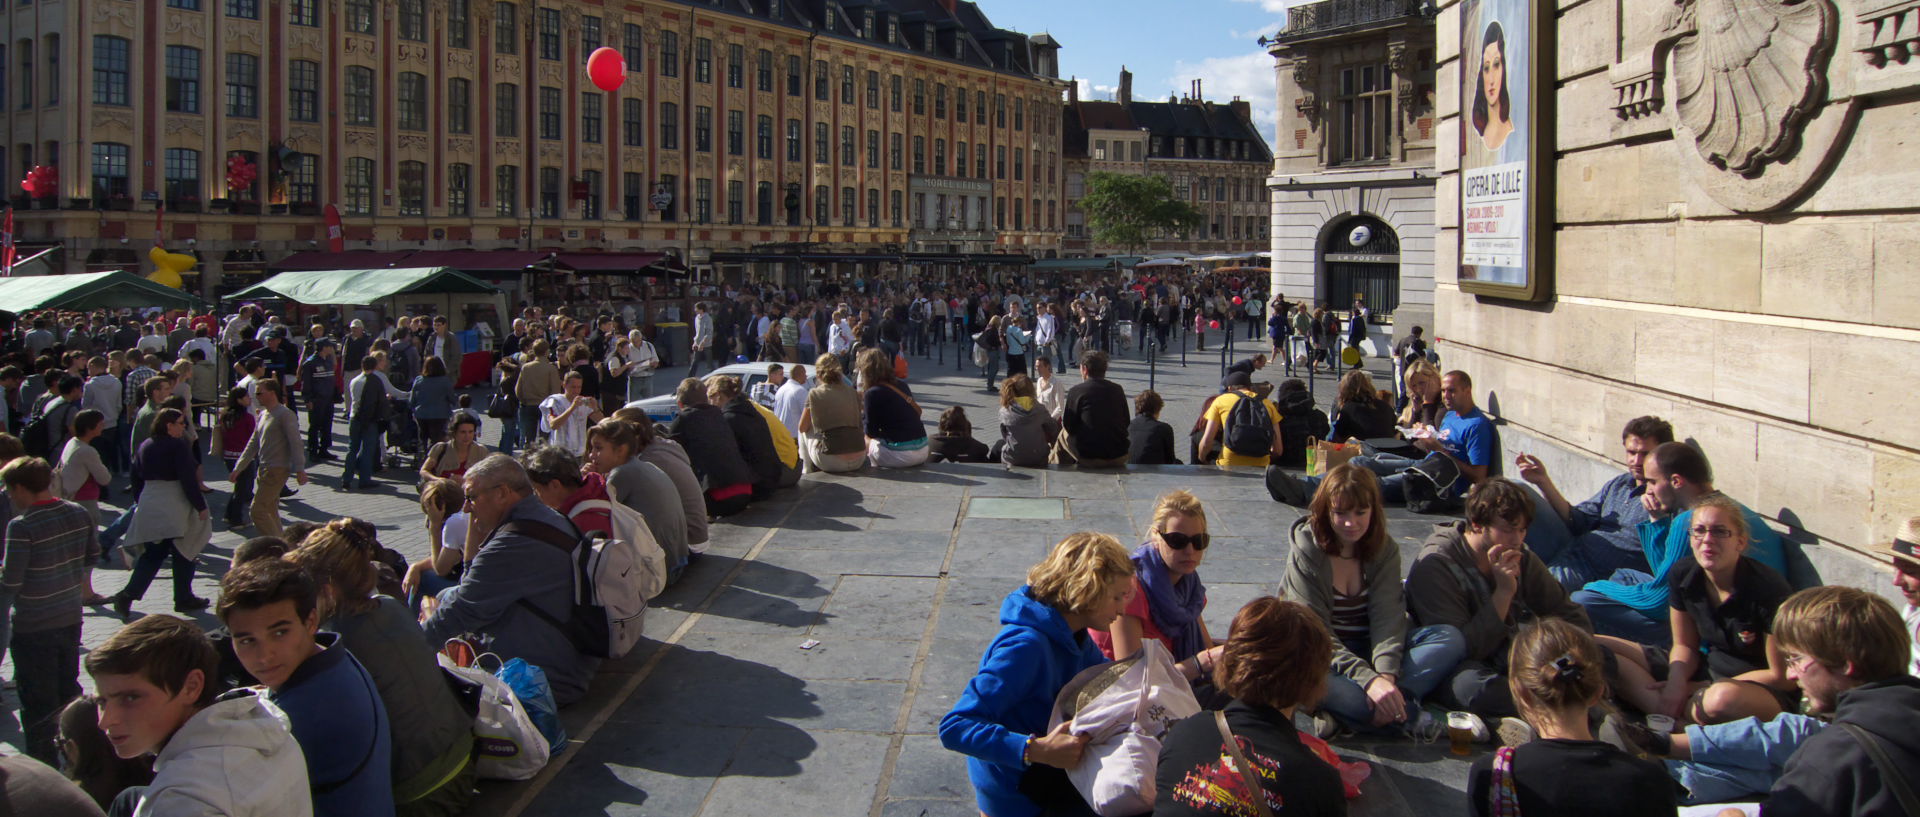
x=1124, y=708
x=510, y=747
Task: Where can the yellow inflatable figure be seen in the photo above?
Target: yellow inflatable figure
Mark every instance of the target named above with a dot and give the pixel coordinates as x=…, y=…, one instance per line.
x=168, y=267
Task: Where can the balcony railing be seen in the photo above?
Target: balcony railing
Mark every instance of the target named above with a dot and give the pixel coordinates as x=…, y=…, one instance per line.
x=1332, y=15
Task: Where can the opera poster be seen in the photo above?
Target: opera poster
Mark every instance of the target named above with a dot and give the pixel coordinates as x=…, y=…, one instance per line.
x=1506, y=156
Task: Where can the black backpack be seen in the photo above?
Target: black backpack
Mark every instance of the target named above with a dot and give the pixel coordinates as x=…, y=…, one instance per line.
x=1249, y=427
x=37, y=437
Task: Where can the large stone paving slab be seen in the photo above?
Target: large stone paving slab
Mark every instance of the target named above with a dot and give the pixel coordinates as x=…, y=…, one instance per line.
x=831, y=649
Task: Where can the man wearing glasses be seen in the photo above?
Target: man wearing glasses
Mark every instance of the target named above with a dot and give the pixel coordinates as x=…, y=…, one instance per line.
x=1633, y=604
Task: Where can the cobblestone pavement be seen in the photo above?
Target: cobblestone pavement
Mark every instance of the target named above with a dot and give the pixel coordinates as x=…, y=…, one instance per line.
x=899, y=577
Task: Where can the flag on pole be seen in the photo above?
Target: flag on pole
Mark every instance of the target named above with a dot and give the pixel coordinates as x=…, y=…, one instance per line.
x=7, y=250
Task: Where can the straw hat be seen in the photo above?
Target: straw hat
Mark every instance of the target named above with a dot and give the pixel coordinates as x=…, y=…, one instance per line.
x=1905, y=546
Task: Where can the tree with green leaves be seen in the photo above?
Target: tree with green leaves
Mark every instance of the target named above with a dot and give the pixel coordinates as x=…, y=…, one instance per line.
x=1130, y=211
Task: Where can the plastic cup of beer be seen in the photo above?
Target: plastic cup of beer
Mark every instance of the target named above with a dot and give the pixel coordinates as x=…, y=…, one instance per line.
x=1660, y=724
x=1460, y=732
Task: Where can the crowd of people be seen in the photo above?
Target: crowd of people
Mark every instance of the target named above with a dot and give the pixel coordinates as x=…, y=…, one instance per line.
x=1540, y=620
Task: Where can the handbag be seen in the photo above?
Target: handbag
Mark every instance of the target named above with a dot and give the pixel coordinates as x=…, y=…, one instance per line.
x=502, y=406
x=508, y=745
x=1256, y=793
x=1322, y=456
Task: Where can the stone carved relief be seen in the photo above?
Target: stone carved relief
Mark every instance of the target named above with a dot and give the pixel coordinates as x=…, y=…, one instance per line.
x=1744, y=84
x=106, y=13
x=190, y=125
x=302, y=138
x=550, y=150
x=550, y=73
x=1304, y=71
x=243, y=32
x=410, y=52
x=362, y=137
x=460, y=144
x=505, y=65
x=593, y=155
x=105, y=118
x=358, y=45
x=303, y=38
x=460, y=58
x=1397, y=58
x=188, y=27
x=1892, y=33
x=506, y=147
x=242, y=132
x=409, y=141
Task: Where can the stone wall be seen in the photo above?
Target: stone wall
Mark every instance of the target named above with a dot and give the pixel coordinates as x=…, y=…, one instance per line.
x=1773, y=317
x=1306, y=206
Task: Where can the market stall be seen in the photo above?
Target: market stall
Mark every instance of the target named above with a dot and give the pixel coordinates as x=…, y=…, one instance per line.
x=116, y=289
x=404, y=291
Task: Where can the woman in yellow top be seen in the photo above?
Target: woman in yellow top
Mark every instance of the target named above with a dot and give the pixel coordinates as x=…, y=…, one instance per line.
x=1235, y=451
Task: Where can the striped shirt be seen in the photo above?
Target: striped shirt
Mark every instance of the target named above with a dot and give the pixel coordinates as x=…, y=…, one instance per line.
x=48, y=550
x=1351, y=621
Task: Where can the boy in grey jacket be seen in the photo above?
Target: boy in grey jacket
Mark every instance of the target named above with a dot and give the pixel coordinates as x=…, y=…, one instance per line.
x=1479, y=576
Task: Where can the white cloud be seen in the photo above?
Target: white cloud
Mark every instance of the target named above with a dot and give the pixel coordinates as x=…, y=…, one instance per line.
x=1248, y=76
x=1090, y=92
x=1257, y=32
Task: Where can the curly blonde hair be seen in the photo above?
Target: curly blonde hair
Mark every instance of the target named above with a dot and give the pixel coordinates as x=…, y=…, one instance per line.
x=1079, y=570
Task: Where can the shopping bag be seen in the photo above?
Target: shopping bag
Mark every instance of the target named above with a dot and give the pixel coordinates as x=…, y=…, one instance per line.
x=529, y=684
x=1322, y=456
x=509, y=746
x=1124, y=708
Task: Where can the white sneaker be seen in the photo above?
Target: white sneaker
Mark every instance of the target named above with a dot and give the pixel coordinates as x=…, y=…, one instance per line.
x=1515, y=732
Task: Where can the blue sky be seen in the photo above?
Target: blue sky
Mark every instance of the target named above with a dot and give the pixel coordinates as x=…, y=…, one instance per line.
x=1166, y=45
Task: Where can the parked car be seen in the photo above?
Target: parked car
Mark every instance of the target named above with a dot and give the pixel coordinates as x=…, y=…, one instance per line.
x=661, y=409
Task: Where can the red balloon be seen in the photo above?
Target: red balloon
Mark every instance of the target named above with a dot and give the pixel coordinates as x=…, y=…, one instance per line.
x=1237, y=301
x=1213, y=325
x=607, y=68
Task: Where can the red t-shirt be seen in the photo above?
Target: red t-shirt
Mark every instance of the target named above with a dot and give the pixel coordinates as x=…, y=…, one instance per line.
x=1140, y=609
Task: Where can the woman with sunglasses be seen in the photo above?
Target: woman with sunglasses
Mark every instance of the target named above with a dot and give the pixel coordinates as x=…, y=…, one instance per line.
x=1344, y=566
x=1168, y=598
x=1724, y=600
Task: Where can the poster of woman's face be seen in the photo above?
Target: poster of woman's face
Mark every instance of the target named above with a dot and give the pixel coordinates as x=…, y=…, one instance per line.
x=1496, y=161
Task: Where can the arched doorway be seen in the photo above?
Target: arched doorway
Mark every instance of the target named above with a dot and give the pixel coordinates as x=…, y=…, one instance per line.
x=1361, y=256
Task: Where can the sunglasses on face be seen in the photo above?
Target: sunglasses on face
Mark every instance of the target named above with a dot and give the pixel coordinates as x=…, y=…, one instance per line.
x=1180, y=541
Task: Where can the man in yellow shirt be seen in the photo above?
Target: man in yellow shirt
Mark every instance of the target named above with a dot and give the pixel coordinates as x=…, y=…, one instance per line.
x=1237, y=447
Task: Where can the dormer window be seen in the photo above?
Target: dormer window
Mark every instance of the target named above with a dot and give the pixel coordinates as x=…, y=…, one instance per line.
x=773, y=9
x=893, y=31
x=927, y=43
x=866, y=25
x=833, y=19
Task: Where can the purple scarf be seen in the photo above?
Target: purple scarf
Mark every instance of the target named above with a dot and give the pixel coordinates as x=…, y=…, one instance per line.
x=1174, y=604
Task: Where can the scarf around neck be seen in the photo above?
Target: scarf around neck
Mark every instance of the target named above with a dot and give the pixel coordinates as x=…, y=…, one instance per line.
x=1174, y=604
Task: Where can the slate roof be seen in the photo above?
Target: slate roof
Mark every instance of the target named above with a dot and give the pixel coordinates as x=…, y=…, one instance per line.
x=965, y=35
x=1166, y=119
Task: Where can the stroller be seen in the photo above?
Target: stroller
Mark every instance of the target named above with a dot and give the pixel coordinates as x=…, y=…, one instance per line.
x=403, y=449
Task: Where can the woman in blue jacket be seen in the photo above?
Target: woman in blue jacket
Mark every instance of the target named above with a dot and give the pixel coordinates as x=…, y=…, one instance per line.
x=1000, y=721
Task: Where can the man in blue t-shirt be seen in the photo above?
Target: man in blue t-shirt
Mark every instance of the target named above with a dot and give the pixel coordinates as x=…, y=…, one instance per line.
x=1465, y=436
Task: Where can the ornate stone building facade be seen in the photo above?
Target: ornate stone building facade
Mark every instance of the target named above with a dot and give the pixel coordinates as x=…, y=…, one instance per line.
x=1355, y=80
x=1211, y=153
x=439, y=124
x=1737, y=236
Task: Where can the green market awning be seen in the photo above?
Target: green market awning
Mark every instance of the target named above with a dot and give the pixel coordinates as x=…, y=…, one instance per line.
x=363, y=286
x=116, y=289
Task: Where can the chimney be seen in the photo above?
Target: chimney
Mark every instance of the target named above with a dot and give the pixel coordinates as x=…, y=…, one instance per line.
x=1197, y=96
x=1073, y=91
x=1125, y=95
x=1241, y=109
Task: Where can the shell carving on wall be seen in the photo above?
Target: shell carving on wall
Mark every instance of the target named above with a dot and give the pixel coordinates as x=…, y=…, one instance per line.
x=1748, y=74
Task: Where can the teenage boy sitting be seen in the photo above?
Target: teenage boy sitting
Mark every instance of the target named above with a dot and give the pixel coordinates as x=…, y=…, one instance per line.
x=1848, y=650
x=234, y=757
x=335, y=709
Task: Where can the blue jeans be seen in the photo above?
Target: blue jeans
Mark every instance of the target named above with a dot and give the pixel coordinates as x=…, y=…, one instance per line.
x=509, y=433
x=1432, y=653
x=110, y=538
x=363, y=453
x=1613, y=618
x=1387, y=466
x=1739, y=759
x=431, y=584
x=1575, y=560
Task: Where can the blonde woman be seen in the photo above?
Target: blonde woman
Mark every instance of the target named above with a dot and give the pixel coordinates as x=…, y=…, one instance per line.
x=1000, y=721
x=830, y=438
x=1168, y=597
